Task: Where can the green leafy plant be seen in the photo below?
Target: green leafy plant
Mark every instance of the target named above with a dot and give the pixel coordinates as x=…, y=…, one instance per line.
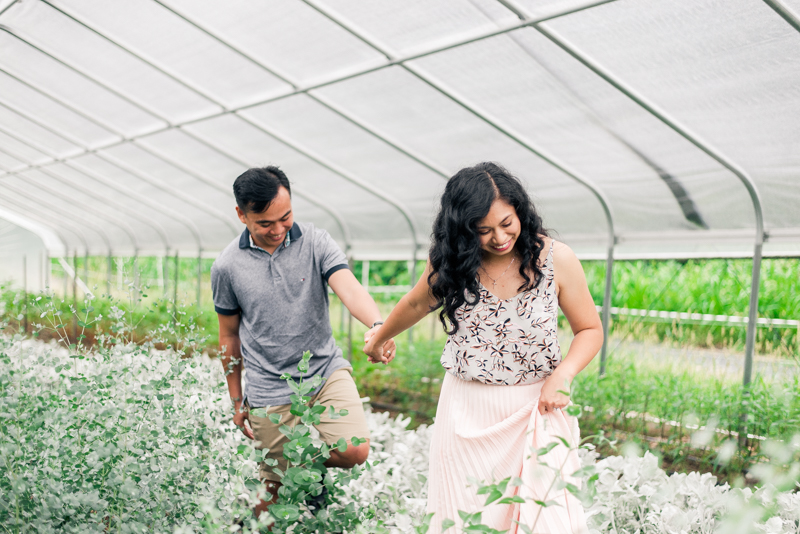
x=307, y=476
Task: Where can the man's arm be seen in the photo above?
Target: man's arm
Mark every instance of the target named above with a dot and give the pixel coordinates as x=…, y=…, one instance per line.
x=354, y=297
x=231, y=358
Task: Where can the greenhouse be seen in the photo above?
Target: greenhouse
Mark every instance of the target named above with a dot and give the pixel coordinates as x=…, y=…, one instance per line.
x=646, y=132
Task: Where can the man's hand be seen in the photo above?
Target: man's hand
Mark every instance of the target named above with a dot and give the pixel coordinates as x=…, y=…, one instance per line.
x=239, y=419
x=375, y=354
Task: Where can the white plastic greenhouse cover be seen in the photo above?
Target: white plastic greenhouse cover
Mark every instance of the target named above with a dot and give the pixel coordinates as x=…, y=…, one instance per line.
x=671, y=127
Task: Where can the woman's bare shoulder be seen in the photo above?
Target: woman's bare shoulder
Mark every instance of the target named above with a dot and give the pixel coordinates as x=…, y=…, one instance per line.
x=561, y=251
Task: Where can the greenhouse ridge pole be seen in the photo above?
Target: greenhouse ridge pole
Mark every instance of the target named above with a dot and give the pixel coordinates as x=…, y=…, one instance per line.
x=594, y=189
x=785, y=13
x=296, y=87
x=58, y=209
x=340, y=222
x=155, y=183
x=169, y=125
x=57, y=229
x=192, y=87
x=45, y=168
x=743, y=176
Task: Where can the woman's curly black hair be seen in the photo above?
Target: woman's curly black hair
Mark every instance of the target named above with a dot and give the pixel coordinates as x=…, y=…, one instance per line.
x=455, y=253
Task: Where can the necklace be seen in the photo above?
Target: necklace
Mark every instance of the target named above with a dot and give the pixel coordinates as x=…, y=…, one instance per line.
x=495, y=280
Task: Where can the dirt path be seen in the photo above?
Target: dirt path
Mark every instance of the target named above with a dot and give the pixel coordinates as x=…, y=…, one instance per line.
x=709, y=361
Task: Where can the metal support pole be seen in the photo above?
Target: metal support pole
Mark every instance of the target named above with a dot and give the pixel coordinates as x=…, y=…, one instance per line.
x=607, y=307
x=166, y=274
x=85, y=268
x=136, y=279
x=412, y=278
x=75, y=295
x=47, y=269
x=199, y=275
x=66, y=290
x=120, y=268
x=365, y=274
x=752, y=317
x=109, y=272
x=25, y=293
x=349, y=323
x=175, y=289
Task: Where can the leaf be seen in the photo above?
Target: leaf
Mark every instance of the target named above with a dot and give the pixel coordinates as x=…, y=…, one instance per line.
x=261, y=413
x=447, y=523
x=275, y=418
x=341, y=445
x=516, y=482
x=544, y=450
x=286, y=512
x=586, y=470
x=494, y=494
x=564, y=441
x=511, y=500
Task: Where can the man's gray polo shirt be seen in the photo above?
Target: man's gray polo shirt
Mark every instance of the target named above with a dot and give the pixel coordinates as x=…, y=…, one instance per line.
x=283, y=301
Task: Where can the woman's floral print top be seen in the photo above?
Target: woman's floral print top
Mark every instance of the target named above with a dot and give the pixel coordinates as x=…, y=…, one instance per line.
x=507, y=342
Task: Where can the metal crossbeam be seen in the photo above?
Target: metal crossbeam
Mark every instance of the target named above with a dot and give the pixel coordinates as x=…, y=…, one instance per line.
x=495, y=123
x=344, y=174
x=110, y=183
x=334, y=80
x=723, y=160
x=344, y=228
x=111, y=128
x=319, y=99
x=155, y=183
x=787, y=14
x=89, y=192
x=110, y=218
x=57, y=229
x=68, y=225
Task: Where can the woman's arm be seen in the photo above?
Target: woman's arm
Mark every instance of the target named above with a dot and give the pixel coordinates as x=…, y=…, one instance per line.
x=576, y=302
x=414, y=305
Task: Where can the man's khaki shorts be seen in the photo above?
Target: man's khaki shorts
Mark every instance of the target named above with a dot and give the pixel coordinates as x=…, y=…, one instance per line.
x=338, y=391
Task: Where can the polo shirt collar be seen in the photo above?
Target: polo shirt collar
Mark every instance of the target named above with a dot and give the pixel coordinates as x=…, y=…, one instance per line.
x=246, y=240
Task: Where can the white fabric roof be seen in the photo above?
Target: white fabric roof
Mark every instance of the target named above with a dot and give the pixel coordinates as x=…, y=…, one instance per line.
x=123, y=124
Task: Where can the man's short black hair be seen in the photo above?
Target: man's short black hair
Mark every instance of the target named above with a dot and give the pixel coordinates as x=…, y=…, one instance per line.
x=256, y=188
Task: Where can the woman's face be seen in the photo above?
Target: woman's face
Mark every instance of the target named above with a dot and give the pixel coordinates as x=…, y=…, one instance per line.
x=499, y=230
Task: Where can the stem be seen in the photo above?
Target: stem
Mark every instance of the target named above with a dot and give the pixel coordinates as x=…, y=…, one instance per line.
x=553, y=483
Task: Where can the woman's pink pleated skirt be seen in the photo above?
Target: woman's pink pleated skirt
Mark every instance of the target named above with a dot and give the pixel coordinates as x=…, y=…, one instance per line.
x=490, y=433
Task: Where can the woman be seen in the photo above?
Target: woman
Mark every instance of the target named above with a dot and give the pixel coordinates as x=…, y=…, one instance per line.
x=499, y=280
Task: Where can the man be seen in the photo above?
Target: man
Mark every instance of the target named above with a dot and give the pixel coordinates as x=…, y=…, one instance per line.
x=271, y=299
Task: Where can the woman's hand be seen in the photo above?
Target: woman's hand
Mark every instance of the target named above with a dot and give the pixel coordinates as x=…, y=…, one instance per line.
x=553, y=395
x=378, y=353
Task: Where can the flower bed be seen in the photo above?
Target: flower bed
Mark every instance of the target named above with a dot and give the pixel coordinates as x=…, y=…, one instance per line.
x=137, y=440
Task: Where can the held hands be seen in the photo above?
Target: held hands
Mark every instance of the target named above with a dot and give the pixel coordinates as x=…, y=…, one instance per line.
x=553, y=395
x=383, y=353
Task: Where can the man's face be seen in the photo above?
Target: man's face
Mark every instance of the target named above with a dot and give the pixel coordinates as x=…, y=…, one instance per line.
x=269, y=228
